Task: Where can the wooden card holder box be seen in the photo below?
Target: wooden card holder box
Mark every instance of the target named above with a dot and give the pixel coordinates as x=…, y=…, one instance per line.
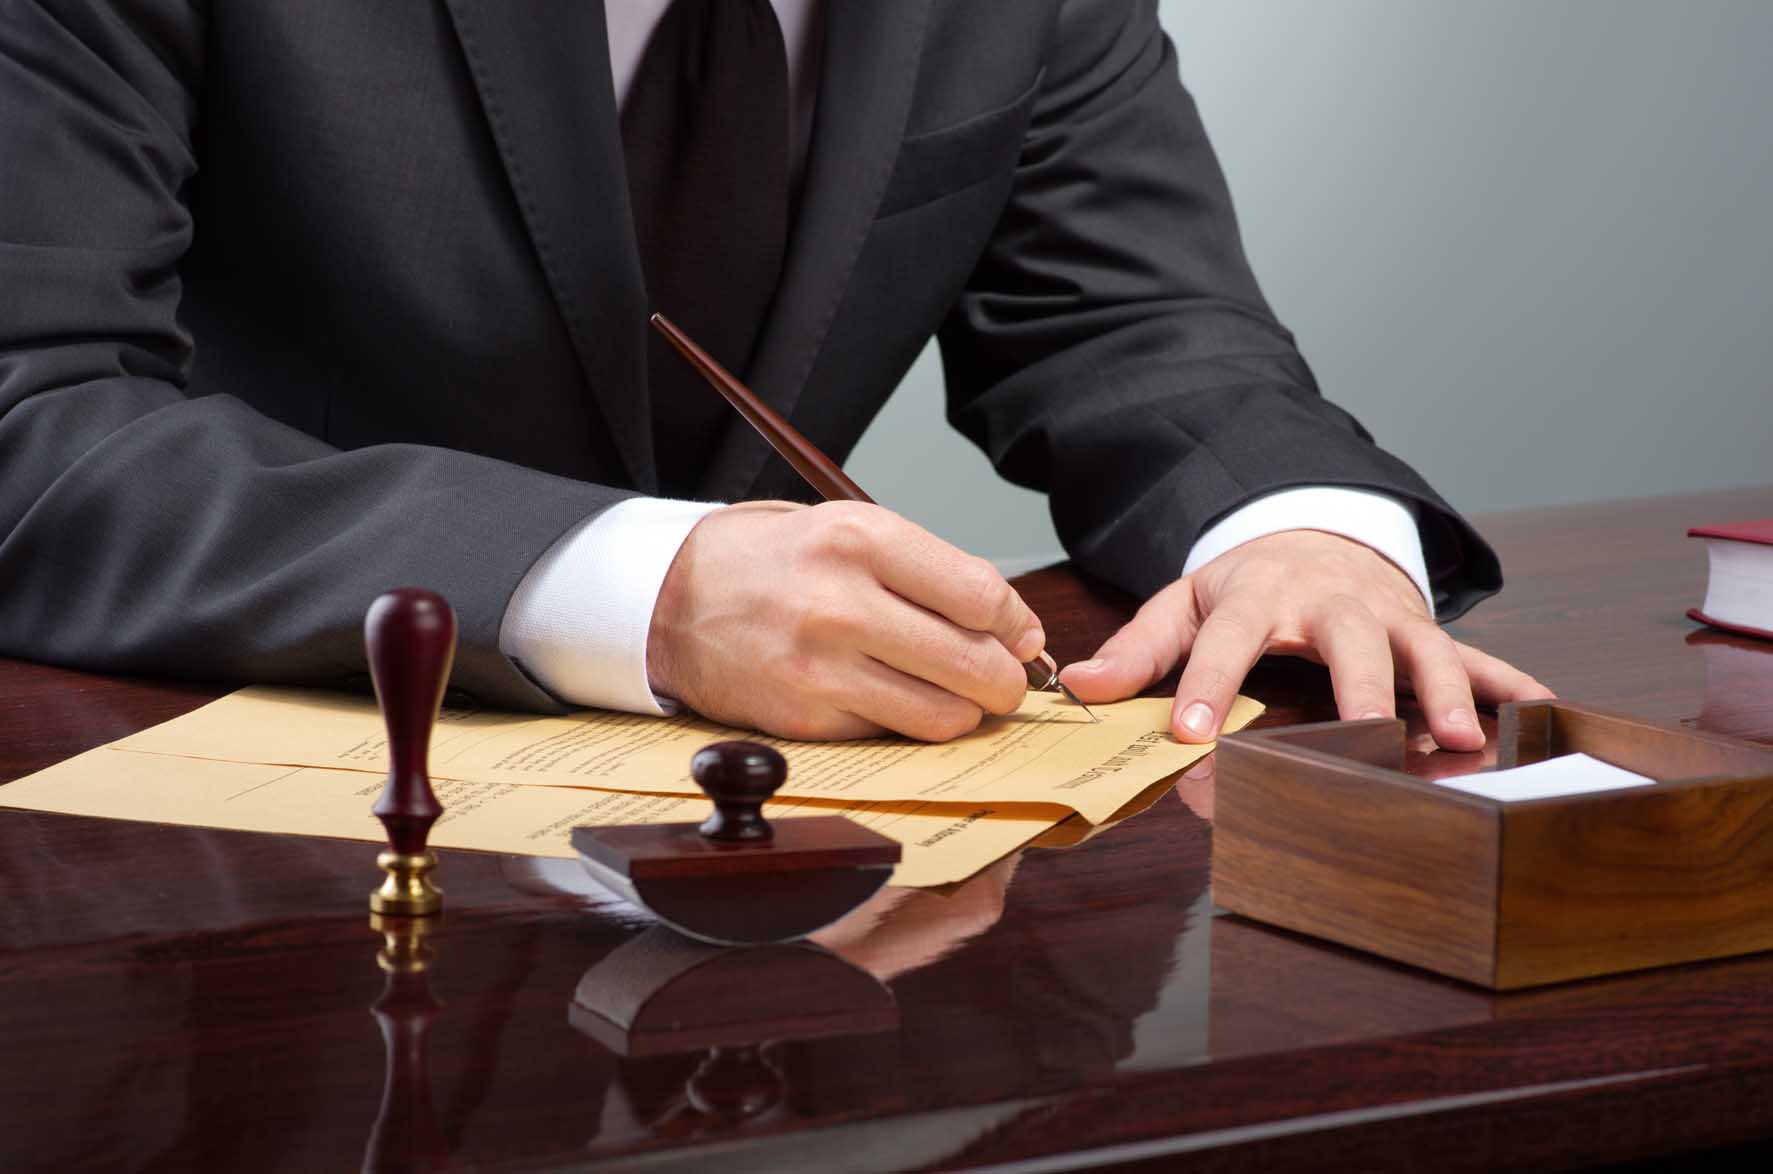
x=1318, y=829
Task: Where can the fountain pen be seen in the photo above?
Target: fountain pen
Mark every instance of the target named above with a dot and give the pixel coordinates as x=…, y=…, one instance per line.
x=817, y=469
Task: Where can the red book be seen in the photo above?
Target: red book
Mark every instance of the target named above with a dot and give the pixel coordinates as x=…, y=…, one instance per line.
x=1740, y=597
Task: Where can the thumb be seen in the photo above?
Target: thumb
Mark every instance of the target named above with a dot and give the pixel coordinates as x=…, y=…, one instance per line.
x=1145, y=648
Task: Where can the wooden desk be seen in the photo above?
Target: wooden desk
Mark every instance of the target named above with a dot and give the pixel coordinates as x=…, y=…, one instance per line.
x=182, y=998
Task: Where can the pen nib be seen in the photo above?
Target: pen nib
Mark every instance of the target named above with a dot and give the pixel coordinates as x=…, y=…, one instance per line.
x=1072, y=697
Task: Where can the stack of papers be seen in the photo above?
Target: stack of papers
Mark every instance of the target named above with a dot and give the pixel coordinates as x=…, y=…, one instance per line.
x=306, y=762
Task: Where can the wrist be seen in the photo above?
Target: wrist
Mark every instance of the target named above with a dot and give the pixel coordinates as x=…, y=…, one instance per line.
x=661, y=638
x=1384, y=524
x=670, y=656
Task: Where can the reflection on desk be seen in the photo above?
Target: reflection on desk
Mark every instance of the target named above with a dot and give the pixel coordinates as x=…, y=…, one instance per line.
x=287, y=994
x=180, y=998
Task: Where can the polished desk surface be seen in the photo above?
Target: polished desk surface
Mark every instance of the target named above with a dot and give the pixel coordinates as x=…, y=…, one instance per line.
x=182, y=998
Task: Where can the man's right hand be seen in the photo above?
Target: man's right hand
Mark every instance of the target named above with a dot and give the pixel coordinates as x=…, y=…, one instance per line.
x=833, y=621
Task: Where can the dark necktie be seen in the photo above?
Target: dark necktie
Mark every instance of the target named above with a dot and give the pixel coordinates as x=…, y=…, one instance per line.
x=705, y=137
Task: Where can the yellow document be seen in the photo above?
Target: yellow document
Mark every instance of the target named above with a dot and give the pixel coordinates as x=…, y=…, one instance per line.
x=942, y=842
x=1047, y=752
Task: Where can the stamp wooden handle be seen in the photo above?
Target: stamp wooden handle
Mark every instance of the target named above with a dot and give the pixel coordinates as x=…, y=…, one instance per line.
x=410, y=636
x=738, y=776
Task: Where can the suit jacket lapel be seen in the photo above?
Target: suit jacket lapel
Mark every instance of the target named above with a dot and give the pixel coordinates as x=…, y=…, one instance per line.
x=542, y=71
x=866, y=77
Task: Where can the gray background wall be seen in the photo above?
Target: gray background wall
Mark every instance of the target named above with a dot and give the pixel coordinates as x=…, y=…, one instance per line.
x=1528, y=242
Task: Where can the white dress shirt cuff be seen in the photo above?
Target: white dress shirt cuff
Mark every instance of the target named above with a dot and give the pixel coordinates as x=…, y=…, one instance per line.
x=578, y=622
x=1373, y=519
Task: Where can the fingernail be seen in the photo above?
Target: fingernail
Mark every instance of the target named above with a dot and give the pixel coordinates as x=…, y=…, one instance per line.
x=1092, y=665
x=1371, y=714
x=1197, y=719
x=1463, y=718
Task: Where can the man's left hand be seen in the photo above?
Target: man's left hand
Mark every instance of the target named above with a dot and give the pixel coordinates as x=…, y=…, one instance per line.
x=1301, y=593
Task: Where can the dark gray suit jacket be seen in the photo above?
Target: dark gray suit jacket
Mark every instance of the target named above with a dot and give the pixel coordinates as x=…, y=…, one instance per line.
x=303, y=299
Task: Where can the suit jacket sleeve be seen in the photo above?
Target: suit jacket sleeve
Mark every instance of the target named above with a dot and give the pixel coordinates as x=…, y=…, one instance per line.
x=1113, y=349
x=144, y=530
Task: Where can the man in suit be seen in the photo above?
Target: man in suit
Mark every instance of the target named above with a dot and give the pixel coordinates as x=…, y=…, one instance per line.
x=299, y=301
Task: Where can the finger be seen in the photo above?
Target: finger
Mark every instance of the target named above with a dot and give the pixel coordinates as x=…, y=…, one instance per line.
x=1227, y=645
x=1144, y=649
x=969, y=664
x=1441, y=683
x=962, y=588
x=904, y=704
x=1354, y=647
x=1495, y=681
